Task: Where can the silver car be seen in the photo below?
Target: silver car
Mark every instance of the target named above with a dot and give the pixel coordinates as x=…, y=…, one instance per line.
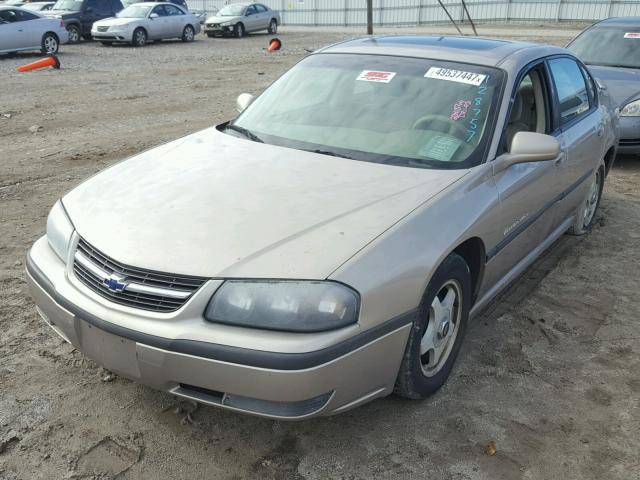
x=611, y=50
x=22, y=30
x=329, y=246
x=141, y=22
x=239, y=19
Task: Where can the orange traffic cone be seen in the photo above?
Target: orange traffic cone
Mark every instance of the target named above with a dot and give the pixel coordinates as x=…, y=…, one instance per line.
x=274, y=45
x=50, y=61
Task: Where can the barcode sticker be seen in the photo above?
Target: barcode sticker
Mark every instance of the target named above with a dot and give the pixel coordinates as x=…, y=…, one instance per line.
x=459, y=76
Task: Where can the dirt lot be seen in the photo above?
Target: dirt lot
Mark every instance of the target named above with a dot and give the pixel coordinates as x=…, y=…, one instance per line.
x=550, y=372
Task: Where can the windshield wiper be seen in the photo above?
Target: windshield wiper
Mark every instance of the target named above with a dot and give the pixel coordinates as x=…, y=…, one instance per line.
x=330, y=153
x=243, y=131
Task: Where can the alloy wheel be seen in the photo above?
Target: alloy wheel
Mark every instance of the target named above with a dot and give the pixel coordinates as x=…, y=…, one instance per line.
x=442, y=328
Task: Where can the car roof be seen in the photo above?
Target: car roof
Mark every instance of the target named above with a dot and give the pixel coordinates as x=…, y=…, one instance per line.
x=476, y=50
x=18, y=7
x=619, y=22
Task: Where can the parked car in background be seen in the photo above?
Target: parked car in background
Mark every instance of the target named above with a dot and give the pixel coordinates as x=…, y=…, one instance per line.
x=22, y=29
x=611, y=50
x=39, y=6
x=333, y=240
x=180, y=3
x=141, y=22
x=239, y=19
x=79, y=15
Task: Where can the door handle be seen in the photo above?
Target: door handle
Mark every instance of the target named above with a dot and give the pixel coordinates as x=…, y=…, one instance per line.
x=600, y=130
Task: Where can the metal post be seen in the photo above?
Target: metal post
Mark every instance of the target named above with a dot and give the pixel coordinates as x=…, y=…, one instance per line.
x=369, y=17
x=420, y=8
x=346, y=12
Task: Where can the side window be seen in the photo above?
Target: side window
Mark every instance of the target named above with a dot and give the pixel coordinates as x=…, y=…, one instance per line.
x=261, y=8
x=22, y=16
x=251, y=10
x=528, y=109
x=8, y=16
x=591, y=87
x=171, y=10
x=573, y=97
x=160, y=10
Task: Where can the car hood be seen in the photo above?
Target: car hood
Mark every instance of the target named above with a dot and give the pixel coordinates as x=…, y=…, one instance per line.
x=216, y=19
x=112, y=21
x=214, y=205
x=623, y=84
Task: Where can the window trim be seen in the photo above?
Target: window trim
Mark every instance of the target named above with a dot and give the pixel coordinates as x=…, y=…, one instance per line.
x=559, y=127
x=539, y=64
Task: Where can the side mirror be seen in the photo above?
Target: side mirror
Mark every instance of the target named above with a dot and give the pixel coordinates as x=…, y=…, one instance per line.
x=243, y=101
x=528, y=147
x=154, y=15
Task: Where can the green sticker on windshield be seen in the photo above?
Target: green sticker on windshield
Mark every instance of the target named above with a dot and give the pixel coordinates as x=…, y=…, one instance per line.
x=440, y=148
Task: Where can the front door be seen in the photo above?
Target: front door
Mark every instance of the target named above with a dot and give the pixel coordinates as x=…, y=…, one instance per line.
x=527, y=190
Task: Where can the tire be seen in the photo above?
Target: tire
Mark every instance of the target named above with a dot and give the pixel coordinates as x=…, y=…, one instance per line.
x=74, y=33
x=188, y=34
x=586, y=213
x=273, y=27
x=139, y=37
x=423, y=370
x=107, y=44
x=239, y=30
x=50, y=44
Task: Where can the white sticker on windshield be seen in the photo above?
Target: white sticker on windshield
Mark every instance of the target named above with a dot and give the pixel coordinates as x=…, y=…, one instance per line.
x=459, y=76
x=375, y=76
x=440, y=148
x=632, y=35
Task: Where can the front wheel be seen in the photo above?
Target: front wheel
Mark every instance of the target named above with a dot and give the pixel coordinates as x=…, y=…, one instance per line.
x=139, y=38
x=74, y=33
x=188, y=34
x=50, y=44
x=587, y=209
x=239, y=30
x=273, y=27
x=437, y=332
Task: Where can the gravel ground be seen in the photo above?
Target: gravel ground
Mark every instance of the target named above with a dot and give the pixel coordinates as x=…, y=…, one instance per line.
x=550, y=371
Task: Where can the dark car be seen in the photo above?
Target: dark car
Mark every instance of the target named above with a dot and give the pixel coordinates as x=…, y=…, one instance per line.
x=611, y=50
x=79, y=15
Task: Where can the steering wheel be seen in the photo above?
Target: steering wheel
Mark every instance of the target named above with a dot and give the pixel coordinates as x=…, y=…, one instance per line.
x=440, y=123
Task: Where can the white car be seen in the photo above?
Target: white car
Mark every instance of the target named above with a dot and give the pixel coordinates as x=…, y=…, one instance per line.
x=141, y=22
x=22, y=29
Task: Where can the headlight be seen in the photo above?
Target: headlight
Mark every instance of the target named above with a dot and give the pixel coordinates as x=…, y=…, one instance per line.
x=59, y=230
x=631, y=109
x=294, y=306
x=225, y=24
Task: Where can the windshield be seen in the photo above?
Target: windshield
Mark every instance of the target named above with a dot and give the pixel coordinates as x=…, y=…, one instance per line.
x=72, y=5
x=401, y=111
x=231, y=11
x=622, y=46
x=135, y=11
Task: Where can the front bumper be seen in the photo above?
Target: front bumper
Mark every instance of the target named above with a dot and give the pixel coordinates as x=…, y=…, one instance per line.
x=218, y=30
x=271, y=384
x=111, y=36
x=629, y=136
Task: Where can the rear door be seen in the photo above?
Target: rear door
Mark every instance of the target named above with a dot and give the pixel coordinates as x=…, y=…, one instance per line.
x=580, y=127
x=93, y=11
x=263, y=15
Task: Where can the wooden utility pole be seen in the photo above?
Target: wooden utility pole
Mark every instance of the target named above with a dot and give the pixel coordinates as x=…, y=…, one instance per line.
x=369, y=17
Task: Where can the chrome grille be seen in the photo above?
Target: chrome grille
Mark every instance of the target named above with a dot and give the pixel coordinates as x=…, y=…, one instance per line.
x=103, y=29
x=143, y=289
